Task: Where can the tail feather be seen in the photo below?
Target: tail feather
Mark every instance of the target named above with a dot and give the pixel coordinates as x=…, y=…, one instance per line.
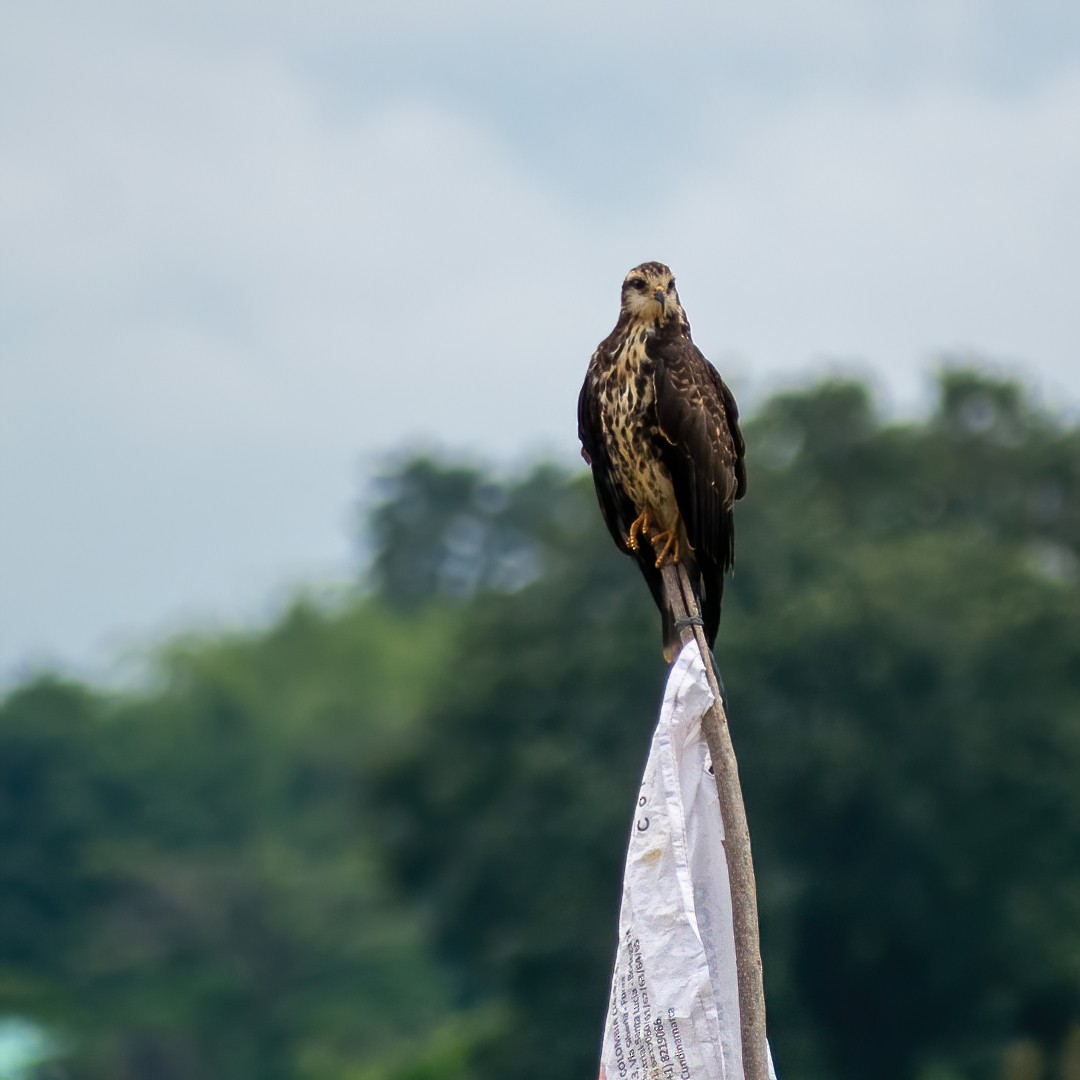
x=654, y=579
x=707, y=582
x=709, y=590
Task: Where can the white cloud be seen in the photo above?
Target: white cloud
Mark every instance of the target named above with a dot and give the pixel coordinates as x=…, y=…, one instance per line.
x=223, y=280
x=219, y=253
x=891, y=229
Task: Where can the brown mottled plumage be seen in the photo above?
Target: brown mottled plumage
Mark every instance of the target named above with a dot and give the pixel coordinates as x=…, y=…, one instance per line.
x=661, y=431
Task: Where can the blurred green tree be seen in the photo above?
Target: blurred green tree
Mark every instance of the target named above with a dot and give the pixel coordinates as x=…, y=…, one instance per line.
x=902, y=641
x=189, y=884
x=382, y=840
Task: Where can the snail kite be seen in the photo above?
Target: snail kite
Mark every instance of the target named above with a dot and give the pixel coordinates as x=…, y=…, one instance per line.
x=661, y=431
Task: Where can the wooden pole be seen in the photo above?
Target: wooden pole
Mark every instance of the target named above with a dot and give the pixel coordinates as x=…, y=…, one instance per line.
x=755, y=1052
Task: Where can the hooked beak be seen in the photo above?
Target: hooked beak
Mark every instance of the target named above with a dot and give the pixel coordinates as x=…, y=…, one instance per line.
x=660, y=298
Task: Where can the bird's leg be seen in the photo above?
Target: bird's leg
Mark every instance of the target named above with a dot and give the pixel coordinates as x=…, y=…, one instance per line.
x=669, y=538
x=641, y=526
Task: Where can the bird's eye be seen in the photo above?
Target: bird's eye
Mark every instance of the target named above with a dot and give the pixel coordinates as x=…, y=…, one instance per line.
x=671, y=285
x=636, y=283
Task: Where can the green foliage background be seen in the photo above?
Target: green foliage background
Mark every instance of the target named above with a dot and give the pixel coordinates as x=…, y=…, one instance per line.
x=382, y=840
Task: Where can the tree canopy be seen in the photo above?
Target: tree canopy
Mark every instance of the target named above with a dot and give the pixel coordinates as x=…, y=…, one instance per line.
x=382, y=839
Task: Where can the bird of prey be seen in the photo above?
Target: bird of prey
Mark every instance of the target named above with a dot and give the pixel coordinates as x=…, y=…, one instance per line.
x=661, y=431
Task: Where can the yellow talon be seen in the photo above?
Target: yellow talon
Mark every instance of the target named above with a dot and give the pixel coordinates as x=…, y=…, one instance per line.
x=641, y=526
x=670, y=539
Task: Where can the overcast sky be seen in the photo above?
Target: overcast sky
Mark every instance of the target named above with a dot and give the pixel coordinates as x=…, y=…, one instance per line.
x=247, y=249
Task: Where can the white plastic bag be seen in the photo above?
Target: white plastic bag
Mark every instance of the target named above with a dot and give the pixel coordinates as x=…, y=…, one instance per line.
x=674, y=1008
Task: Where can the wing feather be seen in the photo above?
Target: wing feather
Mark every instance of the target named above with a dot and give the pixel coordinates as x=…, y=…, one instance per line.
x=703, y=450
x=616, y=507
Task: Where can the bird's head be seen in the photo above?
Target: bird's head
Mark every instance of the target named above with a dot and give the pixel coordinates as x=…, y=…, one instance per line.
x=649, y=296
